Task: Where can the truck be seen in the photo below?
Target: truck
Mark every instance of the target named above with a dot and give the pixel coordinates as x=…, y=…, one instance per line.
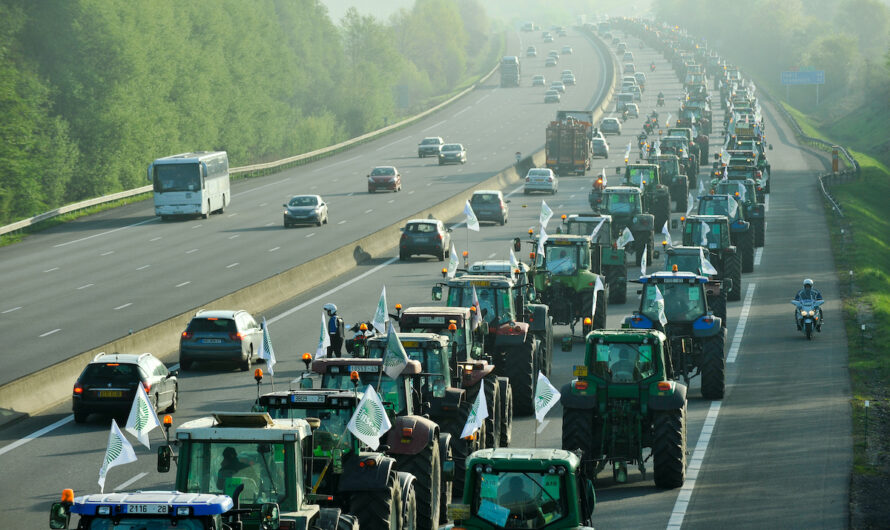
x=510, y=71
x=569, y=146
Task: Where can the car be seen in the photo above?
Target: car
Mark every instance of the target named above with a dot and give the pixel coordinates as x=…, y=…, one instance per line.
x=305, y=209
x=640, y=78
x=531, y=52
x=384, y=178
x=637, y=93
x=429, y=146
x=490, y=205
x=629, y=68
x=425, y=236
x=622, y=47
x=220, y=335
x=567, y=50
x=452, y=154
x=548, y=38
x=552, y=96
x=108, y=385
x=616, y=40
x=633, y=111
x=628, y=57
x=567, y=71
x=562, y=33
x=610, y=126
x=568, y=79
x=539, y=80
x=600, y=148
x=559, y=86
x=551, y=61
x=554, y=54
x=541, y=179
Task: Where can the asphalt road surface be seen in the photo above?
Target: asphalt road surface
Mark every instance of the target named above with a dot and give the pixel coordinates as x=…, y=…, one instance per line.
x=774, y=453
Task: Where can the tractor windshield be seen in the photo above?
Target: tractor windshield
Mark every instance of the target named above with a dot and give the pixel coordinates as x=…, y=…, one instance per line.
x=517, y=499
x=435, y=363
x=719, y=206
x=331, y=433
x=565, y=260
x=684, y=262
x=391, y=391
x=731, y=187
x=216, y=466
x=683, y=302
x=621, y=362
x=640, y=176
x=623, y=203
x=495, y=303
x=586, y=228
x=700, y=233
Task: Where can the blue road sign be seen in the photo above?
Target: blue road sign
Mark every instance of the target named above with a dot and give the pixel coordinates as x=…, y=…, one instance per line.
x=812, y=77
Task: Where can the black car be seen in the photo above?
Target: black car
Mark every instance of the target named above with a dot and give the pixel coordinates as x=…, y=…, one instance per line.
x=425, y=236
x=489, y=205
x=221, y=335
x=109, y=384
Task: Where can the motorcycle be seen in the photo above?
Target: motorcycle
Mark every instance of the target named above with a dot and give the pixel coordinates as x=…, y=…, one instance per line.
x=808, y=315
x=652, y=67
x=357, y=345
x=660, y=102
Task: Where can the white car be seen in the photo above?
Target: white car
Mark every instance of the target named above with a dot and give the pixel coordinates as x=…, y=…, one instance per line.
x=541, y=179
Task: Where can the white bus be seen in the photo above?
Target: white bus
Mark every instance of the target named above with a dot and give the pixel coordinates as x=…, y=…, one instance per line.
x=190, y=184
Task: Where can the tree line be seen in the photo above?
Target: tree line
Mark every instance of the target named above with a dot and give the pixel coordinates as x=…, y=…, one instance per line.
x=91, y=91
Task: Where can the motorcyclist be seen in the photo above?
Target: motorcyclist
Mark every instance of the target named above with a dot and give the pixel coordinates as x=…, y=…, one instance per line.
x=652, y=66
x=335, y=330
x=809, y=293
x=660, y=98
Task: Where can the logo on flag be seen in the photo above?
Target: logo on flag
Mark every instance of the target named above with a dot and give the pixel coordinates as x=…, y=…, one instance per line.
x=477, y=415
x=625, y=238
x=706, y=266
x=472, y=222
x=380, y=315
x=143, y=417
x=369, y=421
x=546, y=214
x=546, y=396
x=452, y=262
x=266, y=351
x=323, y=341
x=118, y=453
x=395, y=359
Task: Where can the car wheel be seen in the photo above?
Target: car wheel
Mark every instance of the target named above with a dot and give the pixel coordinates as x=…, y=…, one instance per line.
x=244, y=365
x=175, y=401
x=318, y=223
x=403, y=256
x=184, y=364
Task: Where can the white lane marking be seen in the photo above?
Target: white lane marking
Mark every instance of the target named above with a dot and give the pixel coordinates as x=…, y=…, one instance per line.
x=105, y=233
x=369, y=211
x=391, y=201
x=411, y=192
x=143, y=267
x=740, y=327
x=182, y=284
x=154, y=239
x=236, y=213
x=542, y=426
x=234, y=236
x=126, y=484
x=342, y=222
x=191, y=251
x=245, y=192
x=269, y=224
x=766, y=204
x=11, y=310
x=482, y=99
x=36, y=434
x=196, y=226
x=336, y=164
x=572, y=196
x=52, y=269
x=85, y=286
x=48, y=333
x=107, y=253
x=128, y=304
x=678, y=513
x=391, y=144
x=310, y=235
x=273, y=249
x=343, y=285
x=263, y=204
x=433, y=126
x=758, y=255
x=229, y=266
x=493, y=254
x=350, y=194
x=458, y=113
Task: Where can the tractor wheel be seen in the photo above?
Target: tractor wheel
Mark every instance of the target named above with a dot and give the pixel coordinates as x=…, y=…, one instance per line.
x=506, y=405
x=759, y=232
x=582, y=429
x=427, y=470
x=732, y=269
x=713, y=366
x=378, y=509
x=521, y=370
x=746, y=249
x=717, y=305
x=669, y=448
x=616, y=277
x=599, y=318
x=445, y=486
x=409, y=517
x=494, y=421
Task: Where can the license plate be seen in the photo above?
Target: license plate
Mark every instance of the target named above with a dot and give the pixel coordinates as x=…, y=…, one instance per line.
x=148, y=508
x=422, y=240
x=212, y=341
x=110, y=393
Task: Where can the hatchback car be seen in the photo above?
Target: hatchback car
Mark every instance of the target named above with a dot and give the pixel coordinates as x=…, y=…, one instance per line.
x=429, y=146
x=633, y=111
x=629, y=68
x=640, y=78
x=531, y=52
x=305, y=209
x=635, y=90
x=552, y=96
x=220, y=335
x=551, y=61
x=562, y=33
x=490, y=205
x=568, y=79
x=548, y=38
x=109, y=382
x=567, y=50
x=541, y=180
x=610, y=126
x=628, y=57
x=425, y=236
x=452, y=154
x=600, y=148
x=385, y=178
x=558, y=86
x=539, y=80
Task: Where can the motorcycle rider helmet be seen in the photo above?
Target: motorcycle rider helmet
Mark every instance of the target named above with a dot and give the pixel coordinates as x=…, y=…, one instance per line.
x=330, y=309
x=807, y=283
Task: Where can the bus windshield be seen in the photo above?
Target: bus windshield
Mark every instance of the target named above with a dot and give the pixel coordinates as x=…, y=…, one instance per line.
x=176, y=177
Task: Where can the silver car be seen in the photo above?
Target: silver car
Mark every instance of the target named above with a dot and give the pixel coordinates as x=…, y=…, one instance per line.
x=610, y=126
x=541, y=180
x=305, y=209
x=551, y=96
x=452, y=154
x=539, y=80
x=430, y=146
x=559, y=86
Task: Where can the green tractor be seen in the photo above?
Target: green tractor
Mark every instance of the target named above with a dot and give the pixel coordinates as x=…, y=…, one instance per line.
x=623, y=401
x=751, y=203
x=692, y=259
x=669, y=170
x=525, y=488
x=606, y=258
x=712, y=233
x=656, y=195
x=741, y=231
x=625, y=205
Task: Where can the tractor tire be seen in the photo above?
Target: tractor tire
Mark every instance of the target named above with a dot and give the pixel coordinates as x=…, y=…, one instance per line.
x=759, y=232
x=494, y=421
x=445, y=489
x=617, y=286
x=732, y=269
x=521, y=370
x=746, y=249
x=713, y=366
x=717, y=305
x=582, y=429
x=599, y=318
x=506, y=405
x=410, y=516
x=427, y=470
x=669, y=448
x=378, y=509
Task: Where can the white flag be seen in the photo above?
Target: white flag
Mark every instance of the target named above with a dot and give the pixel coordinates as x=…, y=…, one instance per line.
x=542, y=238
x=657, y=147
x=643, y=263
x=380, y=315
x=596, y=291
x=659, y=304
x=143, y=417
x=477, y=415
x=472, y=222
x=369, y=421
x=701, y=187
x=667, y=234
x=546, y=396
x=667, y=122
x=266, y=351
x=691, y=204
x=477, y=315
x=324, y=340
x=705, y=230
x=453, y=262
x=625, y=238
x=395, y=359
x=597, y=229
x=514, y=263
x=546, y=214
x=627, y=153
x=118, y=453
x=707, y=268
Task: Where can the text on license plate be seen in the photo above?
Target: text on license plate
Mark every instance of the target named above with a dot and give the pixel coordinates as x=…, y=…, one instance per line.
x=147, y=508
x=110, y=393
x=212, y=341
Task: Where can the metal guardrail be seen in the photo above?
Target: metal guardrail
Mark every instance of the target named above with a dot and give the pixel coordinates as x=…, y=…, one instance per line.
x=265, y=167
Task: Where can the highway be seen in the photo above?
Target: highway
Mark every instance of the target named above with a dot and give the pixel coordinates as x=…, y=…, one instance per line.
x=781, y=435
x=127, y=270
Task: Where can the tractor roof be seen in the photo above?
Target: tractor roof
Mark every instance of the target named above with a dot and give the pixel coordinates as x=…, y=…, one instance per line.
x=251, y=426
x=507, y=459
x=625, y=335
x=482, y=280
x=672, y=277
x=633, y=190
x=317, y=398
x=708, y=218
x=438, y=310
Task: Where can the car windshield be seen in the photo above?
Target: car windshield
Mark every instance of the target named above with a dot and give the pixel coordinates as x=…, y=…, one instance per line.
x=303, y=201
x=623, y=203
x=379, y=171
x=493, y=301
x=621, y=362
x=452, y=147
x=609, y=123
x=218, y=466
x=539, y=173
x=147, y=523
x=517, y=499
x=683, y=302
x=421, y=228
x=564, y=259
